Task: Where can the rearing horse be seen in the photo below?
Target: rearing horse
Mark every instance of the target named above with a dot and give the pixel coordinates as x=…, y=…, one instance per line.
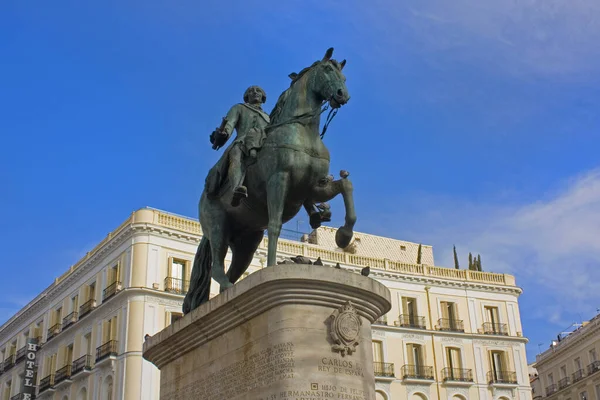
x=291, y=171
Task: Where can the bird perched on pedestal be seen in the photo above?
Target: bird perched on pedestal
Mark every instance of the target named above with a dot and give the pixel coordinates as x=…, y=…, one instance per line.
x=337, y=266
x=365, y=271
x=318, y=262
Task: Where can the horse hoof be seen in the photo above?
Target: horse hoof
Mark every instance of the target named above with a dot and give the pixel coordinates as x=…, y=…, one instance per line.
x=343, y=236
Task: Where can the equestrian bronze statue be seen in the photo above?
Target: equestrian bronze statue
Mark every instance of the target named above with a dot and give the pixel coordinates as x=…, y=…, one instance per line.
x=277, y=165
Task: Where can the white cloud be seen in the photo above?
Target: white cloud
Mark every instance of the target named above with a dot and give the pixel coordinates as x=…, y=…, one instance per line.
x=552, y=246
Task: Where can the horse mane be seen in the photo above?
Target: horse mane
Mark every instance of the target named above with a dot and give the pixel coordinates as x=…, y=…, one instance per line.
x=276, y=113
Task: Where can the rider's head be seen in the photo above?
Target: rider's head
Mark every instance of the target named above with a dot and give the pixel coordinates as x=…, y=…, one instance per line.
x=255, y=95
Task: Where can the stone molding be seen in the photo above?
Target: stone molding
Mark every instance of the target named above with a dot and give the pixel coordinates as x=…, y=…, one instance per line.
x=263, y=290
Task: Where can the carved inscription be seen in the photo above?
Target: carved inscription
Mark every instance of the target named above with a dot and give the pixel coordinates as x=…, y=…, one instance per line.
x=318, y=392
x=258, y=370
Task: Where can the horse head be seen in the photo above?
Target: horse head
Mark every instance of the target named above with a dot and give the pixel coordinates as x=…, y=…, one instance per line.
x=328, y=82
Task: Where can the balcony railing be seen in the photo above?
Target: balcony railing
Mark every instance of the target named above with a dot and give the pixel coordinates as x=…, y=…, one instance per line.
x=383, y=369
x=417, y=372
x=9, y=362
x=411, y=321
x=551, y=389
x=381, y=320
x=38, y=340
x=563, y=383
x=175, y=285
x=19, y=396
x=69, y=319
x=107, y=349
x=578, y=375
x=21, y=354
x=457, y=375
x=507, y=377
x=46, y=383
x=451, y=325
x=593, y=367
x=62, y=374
x=82, y=364
x=54, y=330
x=86, y=308
x=111, y=290
x=493, y=328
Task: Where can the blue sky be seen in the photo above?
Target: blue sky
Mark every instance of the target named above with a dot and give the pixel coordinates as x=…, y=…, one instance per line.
x=469, y=124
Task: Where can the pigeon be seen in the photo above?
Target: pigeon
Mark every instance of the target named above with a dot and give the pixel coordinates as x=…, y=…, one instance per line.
x=365, y=271
x=337, y=266
x=146, y=337
x=318, y=262
x=301, y=260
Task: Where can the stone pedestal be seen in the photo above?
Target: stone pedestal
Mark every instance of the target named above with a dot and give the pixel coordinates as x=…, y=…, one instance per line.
x=287, y=332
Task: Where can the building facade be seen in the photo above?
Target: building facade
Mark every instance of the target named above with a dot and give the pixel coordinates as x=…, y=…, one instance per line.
x=569, y=369
x=451, y=334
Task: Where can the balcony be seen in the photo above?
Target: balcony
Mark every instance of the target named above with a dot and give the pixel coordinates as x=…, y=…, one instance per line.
x=9, y=362
x=20, y=396
x=38, y=340
x=502, y=377
x=411, y=321
x=550, y=390
x=383, y=369
x=381, y=320
x=69, y=319
x=417, y=372
x=62, y=375
x=82, y=365
x=54, y=330
x=107, y=351
x=578, y=375
x=493, y=328
x=563, y=383
x=450, y=325
x=21, y=354
x=47, y=383
x=593, y=367
x=87, y=308
x=457, y=375
x=177, y=286
x=111, y=290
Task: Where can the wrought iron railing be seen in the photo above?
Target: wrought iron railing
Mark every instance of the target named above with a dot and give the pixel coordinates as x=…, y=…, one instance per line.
x=450, y=325
x=417, y=372
x=175, y=285
x=381, y=320
x=70, y=319
x=509, y=377
x=411, y=321
x=493, y=328
x=62, y=374
x=593, y=367
x=82, y=364
x=551, y=389
x=20, y=396
x=578, y=375
x=111, y=290
x=383, y=369
x=9, y=362
x=457, y=375
x=107, y=349
x=46, y=383
x=563, y=383
x=54, y=330
x=87, y=307
x=21, y=354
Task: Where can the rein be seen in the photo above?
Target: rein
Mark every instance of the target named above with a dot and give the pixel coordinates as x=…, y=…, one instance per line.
x=309, y=116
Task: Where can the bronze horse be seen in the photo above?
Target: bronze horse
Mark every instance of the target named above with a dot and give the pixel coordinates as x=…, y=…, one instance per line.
x=291, y=171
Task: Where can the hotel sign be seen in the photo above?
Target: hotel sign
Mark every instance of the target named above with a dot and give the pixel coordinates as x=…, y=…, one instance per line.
x=30, y=369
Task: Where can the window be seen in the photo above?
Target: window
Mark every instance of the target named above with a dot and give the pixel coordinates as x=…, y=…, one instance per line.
x=87, y=344
x=499, y=366
x=113, y=274
x=109, y=330
x=449, y=310
x=377, y=351
x=175, y=316
x=92, y=291
x=550, y=379
x=409, y=311
x=58, y=316
x=577, y=364
x=453, y=359
x=592, y=354
x=74, y=302
x=414, y=355
x=177, y=269
x=69, y=354
x=583, y=396
x=492, y=315
x=563, y=371
x=402, y=247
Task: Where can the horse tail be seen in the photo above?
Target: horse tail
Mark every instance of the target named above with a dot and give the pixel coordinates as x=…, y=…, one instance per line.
x=199, y=290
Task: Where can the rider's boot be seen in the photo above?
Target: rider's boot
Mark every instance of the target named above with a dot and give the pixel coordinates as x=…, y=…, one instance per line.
x=239, y=191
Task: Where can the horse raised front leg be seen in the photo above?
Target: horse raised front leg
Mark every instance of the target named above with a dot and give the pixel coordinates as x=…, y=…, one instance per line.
x=277, y=188
x=327, y=191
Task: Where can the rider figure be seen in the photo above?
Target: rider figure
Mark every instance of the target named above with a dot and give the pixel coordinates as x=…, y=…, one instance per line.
x=249, y=121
